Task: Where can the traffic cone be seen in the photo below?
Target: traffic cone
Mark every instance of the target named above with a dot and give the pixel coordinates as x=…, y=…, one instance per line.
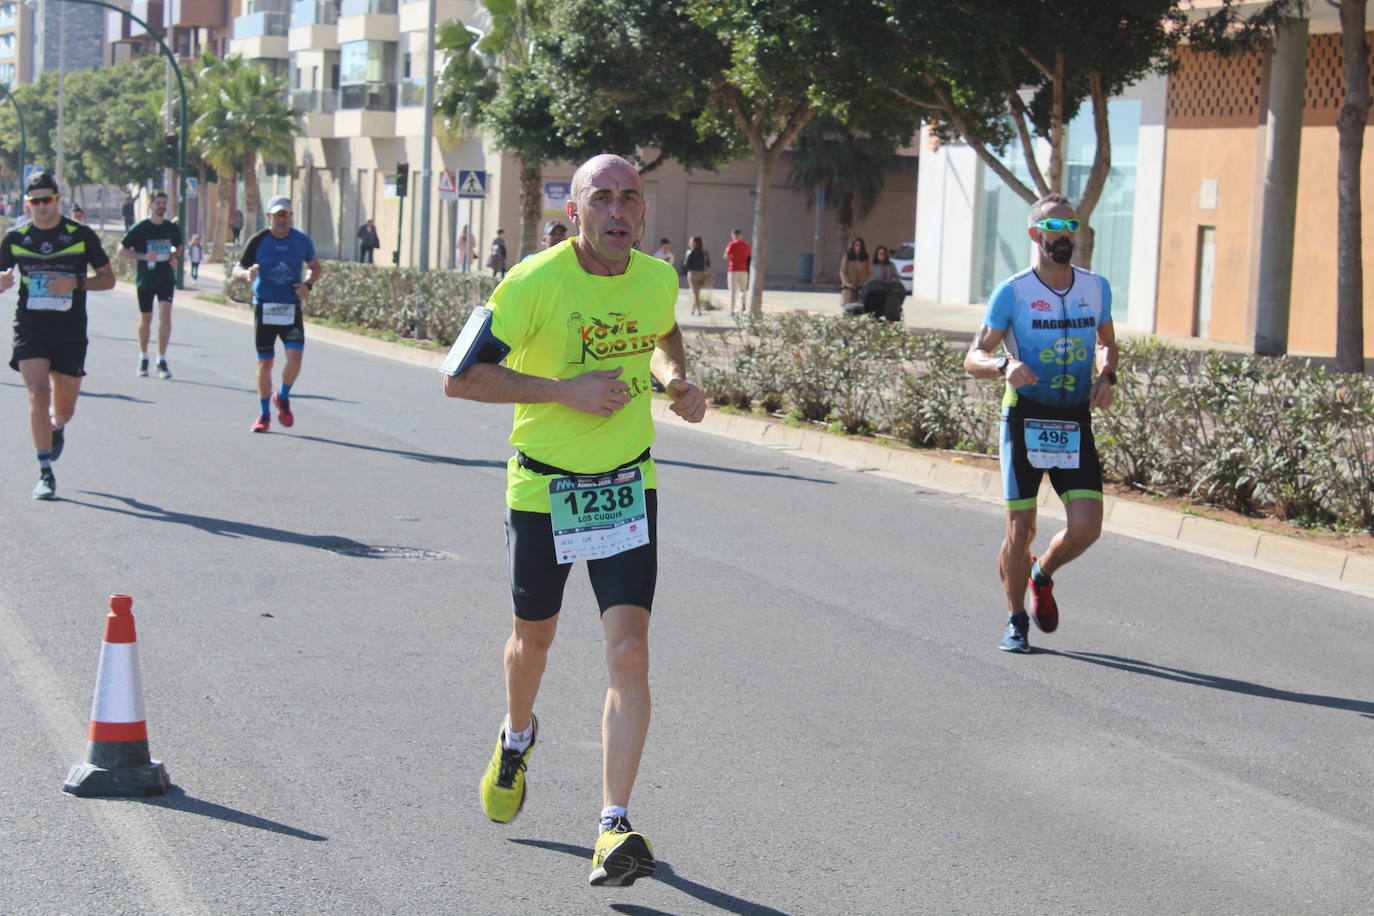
x=117, y=761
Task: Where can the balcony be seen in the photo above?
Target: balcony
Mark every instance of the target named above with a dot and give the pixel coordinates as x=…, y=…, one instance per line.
x=262, y=25
x=317, y=107
x=368, y=7
x=415, y=13
x=313, y=25
x=368, y=96
x=315, y=101
x=314, y=12
x=368, y=20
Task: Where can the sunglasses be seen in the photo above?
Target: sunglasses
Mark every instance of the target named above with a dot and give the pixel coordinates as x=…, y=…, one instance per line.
x=1055, y=224
x=41, y=200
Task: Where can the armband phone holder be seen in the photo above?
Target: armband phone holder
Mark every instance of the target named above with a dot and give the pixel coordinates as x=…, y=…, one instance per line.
x=476, y=344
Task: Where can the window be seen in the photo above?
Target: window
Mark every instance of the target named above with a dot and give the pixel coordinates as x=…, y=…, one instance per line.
x=367, y=61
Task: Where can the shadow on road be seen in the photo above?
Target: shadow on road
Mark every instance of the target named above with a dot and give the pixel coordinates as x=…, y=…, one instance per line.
x=715, y=467
x=1135, y=666
x=177, y=799
x=665, y=873
x=220, y=526
x=116, y=397
x=414, y=456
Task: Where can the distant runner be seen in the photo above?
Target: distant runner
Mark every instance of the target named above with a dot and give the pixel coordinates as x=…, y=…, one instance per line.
x=155, y=244
x=274, y=261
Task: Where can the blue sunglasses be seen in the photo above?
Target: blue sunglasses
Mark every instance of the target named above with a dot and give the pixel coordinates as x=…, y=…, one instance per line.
x=1054, y=224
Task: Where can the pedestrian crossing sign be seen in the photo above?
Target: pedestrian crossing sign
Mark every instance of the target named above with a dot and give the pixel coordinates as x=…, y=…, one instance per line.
x=472, y=183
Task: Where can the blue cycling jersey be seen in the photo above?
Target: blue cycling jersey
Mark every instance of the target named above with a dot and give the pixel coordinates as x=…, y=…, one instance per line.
x=1053, y=332
x=281, y=264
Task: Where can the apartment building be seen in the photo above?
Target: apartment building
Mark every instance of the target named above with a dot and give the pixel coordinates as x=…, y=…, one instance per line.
x=16, y=43
x=356, y=68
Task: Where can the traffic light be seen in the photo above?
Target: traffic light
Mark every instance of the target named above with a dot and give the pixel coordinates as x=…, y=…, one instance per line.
x=402, y=173
x=169, y=149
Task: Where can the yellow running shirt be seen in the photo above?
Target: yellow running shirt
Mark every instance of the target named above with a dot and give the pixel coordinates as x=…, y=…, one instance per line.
x=560, y=322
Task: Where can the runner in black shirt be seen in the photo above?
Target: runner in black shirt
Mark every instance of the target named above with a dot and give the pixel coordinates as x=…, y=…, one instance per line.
x=52, y=255
x=155, y=244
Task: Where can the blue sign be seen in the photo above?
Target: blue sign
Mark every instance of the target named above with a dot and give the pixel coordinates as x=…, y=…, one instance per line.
x=472, y=184
x=31, y=172
x=192, y=187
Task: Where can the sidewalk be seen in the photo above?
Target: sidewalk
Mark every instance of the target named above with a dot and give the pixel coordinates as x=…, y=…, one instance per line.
x=1276, y=554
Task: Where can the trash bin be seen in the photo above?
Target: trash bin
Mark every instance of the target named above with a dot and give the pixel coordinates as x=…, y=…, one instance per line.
x=805, y=262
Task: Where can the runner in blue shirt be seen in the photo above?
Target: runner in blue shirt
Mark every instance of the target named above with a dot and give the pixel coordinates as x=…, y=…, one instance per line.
x=273, y=261
x=1051, y=319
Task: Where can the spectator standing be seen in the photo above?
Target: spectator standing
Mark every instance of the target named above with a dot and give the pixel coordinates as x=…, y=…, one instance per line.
x=737, y=256
x=464, y=250
x=497, y=260
x=695, y=264
x=235, y=223
x=368, y=242
x=855, y=269
x=195, y=253
x=665, y=252
x=127, y=211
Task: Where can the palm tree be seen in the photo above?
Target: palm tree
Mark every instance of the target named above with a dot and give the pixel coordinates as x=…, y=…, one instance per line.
x=851, y=169
x=243, y=115
x=469, y=85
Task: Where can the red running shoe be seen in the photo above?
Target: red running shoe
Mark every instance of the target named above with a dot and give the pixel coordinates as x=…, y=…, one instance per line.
x=284, y=413
x=263, y=424
x=1044, y=610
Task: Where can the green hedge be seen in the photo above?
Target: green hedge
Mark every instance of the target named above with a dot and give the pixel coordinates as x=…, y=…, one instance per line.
x=430, y=305
x=1249, y=434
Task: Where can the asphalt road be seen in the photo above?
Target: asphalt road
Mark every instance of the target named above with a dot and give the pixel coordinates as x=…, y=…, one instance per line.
x=834, y=731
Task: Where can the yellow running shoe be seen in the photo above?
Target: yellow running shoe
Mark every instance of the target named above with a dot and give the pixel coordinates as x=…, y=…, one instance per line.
x=503, y=785
x=622, y=855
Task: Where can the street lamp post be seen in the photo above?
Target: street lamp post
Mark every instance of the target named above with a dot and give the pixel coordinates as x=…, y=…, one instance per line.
x=185, y=126
x=23, y=153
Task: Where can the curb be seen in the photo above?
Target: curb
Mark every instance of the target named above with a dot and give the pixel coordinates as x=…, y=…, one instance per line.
x=1277, y=554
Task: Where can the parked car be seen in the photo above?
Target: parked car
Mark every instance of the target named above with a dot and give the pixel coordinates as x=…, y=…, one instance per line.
x=902, y=259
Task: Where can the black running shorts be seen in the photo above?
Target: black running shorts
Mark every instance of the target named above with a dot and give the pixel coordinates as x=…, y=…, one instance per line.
x=537, y=578
x=1021, y=481
x=66, y=355
x=146, y=295
x=292, y=338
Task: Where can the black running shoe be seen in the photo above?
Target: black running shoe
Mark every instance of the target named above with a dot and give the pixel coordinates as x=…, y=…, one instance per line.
x=59, y=442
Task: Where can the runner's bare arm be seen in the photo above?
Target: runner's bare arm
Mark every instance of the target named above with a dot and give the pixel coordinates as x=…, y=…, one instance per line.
x=668, y=363
x=599, y=392
x=104, y=279
x=982, y=359
x=1104, y=392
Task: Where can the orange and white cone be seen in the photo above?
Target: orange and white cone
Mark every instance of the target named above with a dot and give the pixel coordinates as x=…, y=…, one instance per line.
x=117, y=762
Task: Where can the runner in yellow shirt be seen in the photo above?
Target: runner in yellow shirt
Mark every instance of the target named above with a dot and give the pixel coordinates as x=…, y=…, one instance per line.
x=581, y=327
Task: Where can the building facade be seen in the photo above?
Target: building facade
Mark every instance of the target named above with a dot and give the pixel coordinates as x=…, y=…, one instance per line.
x=1202, y=225
x=356, y=68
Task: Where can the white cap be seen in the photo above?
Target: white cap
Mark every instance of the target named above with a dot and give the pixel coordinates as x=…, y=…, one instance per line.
x=279, y=203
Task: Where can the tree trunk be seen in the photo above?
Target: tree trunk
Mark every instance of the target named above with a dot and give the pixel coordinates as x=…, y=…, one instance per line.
x=531, y=206
x=1097, y=175
x=252, y=194
x=225, y=193
x=1349, y=235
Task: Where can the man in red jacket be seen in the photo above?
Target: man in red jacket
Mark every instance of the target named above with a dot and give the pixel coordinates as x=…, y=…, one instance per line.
x=737, y=268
